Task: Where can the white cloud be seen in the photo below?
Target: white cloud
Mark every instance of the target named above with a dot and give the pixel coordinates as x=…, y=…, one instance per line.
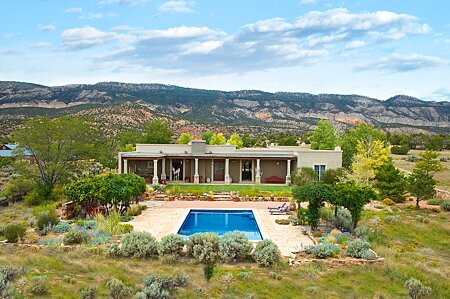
x=356, y=44
x=403, y=63
x=177, y=6
x=74, y=10
x=40, y=45
x=91, y=16
x=47, y=27
x=86, y=37
x=124, y=2
x=308, y=1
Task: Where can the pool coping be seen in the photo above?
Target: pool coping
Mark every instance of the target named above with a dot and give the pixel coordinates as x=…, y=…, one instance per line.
x=259, y=222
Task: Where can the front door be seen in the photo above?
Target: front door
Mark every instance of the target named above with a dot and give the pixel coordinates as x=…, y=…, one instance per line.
x=177, y=170
x=219, y=170
x=246, y=170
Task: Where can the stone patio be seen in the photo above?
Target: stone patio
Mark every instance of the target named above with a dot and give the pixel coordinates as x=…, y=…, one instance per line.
x=163, y=218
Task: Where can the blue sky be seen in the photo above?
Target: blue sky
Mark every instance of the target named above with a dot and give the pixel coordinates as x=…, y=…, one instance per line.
x=375, y=48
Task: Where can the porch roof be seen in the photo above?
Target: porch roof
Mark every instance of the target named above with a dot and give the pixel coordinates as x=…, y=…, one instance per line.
x=284, y=156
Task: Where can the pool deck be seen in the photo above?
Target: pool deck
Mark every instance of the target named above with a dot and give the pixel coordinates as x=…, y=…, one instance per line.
x=163, y=218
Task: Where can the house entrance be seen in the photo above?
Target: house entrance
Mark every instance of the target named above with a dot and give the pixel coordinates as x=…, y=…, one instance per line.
x=219, y=170
x=247, y=170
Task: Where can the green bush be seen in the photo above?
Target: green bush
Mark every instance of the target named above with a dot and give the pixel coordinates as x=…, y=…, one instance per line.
x=14, y=232
x=416, y=289
x=61, y=227
x=46, y=220
x=343, y=219
x=38, y=285
x=266, y=253
x=357, y=248
x=100, y=237
x=204, y=247
x=446, y=205
x=369, y=255
x=435, y=201
x=323, y=250
x=421, y=219
x=88, y=293
x=392, y=219
x=75, y=236
x=400, y=150
x=388, y=202
x=159, y=286
x=325, y=213
x=117, y=289
x=39, y=195
x=10, y=273
x=234, y=246
x=172, y=244
x=126, y=228
x=138, y=245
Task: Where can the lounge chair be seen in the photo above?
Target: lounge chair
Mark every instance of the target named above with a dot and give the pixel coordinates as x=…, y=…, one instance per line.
x=283, y=211
x=277, y=208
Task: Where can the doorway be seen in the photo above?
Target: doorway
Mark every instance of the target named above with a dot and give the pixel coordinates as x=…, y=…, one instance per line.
x=219, y=170
x=247, y=170
x=177, y=170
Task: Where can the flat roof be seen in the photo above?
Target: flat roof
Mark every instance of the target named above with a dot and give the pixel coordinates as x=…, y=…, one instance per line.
x=207, y=155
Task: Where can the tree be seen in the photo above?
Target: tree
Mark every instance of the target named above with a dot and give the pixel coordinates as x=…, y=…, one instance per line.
x=125, y=139
x=349, y=139
x=306, y=175
x=324, y=136
x=157, y=132
x=217, y=139
x=236, y=140
x=421, y=184
x=56, y=145
x=185, y=138
x=207, y=136
x=353, y=197
x=429, y=163
x=369, y=157
x=332, y=176
x=391, y=183
x=315, y=194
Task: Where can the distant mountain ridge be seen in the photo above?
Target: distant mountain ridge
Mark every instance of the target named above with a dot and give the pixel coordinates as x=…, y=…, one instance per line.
x=287, y=110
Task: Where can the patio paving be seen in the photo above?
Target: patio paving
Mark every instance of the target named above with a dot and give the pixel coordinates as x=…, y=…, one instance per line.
x=163, y=218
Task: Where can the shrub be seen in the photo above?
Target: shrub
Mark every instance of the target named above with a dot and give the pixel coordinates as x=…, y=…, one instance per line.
x=343, y=219
x=113, y=251
x=61, y=227
x=126, y=228
x=388, y=202
x=138, y=245
x=125, y=218
x=111, y=223
x=357, y=248
x=369, y=255
x=14, y=232
x=294, y=220
x=282, y=221
x=392, y=219
x=118, y=289
x=46, y=219
x=266, y=253
x=323, y=250
x=51, y=241
x=421, y=219
x=244, y=274
x=204, y=247
x=400, y=150
x=88, y=293
x=134, y=211
x=100, y=237
x=9, y=273
x=172, y=244
x=38, y=285
x=325, y=213
x=75, y=236
x=208, y=271
x=446, y=205
x=362, y=232
x=159, y=286
x=435, y=201
x=416, y=289
x=234, y=246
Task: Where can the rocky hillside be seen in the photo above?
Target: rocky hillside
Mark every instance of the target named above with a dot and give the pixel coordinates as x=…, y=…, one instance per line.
x=123, y=105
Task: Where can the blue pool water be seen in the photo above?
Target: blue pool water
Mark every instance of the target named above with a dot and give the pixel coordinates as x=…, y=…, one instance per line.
x=221, y=222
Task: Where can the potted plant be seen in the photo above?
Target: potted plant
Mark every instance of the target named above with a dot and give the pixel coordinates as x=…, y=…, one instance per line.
x=292, y=206
x=235, y=198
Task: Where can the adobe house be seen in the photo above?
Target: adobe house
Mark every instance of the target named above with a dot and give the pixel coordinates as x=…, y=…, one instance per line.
x=198, y=163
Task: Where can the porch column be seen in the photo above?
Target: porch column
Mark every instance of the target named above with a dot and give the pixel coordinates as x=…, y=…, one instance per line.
x=227, y=172
x=258, y=172
x=119, y=169
x=155, y=172
x=184, y=172
x=212, y=170
x=288, y=172
x=196, y=176
x=163, y=171
x=240, y=170
x=125, y=165
x=171, y=170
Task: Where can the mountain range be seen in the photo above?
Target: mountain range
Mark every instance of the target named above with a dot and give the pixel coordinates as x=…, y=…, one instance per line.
x=118, y=106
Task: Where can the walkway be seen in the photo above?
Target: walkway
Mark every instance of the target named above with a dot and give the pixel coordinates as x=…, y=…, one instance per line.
x=163, y=218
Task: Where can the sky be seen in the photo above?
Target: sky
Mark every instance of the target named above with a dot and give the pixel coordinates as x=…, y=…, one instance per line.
x=374, y=48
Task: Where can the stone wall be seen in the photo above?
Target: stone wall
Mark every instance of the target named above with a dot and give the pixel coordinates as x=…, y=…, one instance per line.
x=442, y=194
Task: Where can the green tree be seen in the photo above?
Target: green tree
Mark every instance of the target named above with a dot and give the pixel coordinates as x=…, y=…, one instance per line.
x=125, y=139
x=421, y=184
x=306, y=175
x=316, y=194
x=218, y=139
x=56, y=145
x=185, y=138
x=324, y=136
x=207, y=136
x=353, y=197
x=236, y=140
x=429, y=163
x=391, y=183
x=157, y=132
x=332, y=176
x=349, y=140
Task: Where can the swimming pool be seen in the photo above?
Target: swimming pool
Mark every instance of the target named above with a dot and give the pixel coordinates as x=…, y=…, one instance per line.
x=221, y=222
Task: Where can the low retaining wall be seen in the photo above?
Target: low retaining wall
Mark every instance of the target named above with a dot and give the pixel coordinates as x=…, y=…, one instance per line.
x=442, y=194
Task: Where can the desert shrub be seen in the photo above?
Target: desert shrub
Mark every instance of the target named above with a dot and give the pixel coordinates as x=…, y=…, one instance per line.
x=39, y=195
x=446, y=205
x=357, y=248
x=75, y=236
x=421, y=219
x=325, y=213
x=208, y=271
x=126, y=228
x=69, y=279
x=14, y=232
x=323, y=250
x=362, y=232
x=388, y=202
x=275, y=275
x=111, y=223
x=435, y=201
x=392, y=219
x=51, y=242
x=10, y=273
x=61, y=227
x=100, y=237
x=244, y=275
x=138, y=245
x=293, y=219
x=343, y=219
x=88, y=293
x=125, y=218
x=159, y=286
x=46, y=219
x=400, y=150
x=117, y=289
x=282, y=221
x=234, y=246
x=204, y=247
x=172, y=244
x=416, y=289
x=266, y=253
x=38, y=285
x=369, y=255
x=113, y=251
x=134, y=210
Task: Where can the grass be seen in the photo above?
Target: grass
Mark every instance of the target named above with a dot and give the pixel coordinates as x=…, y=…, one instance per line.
x=428, y=259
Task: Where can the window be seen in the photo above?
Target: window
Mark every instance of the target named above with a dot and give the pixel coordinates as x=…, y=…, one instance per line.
x=320, y=169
